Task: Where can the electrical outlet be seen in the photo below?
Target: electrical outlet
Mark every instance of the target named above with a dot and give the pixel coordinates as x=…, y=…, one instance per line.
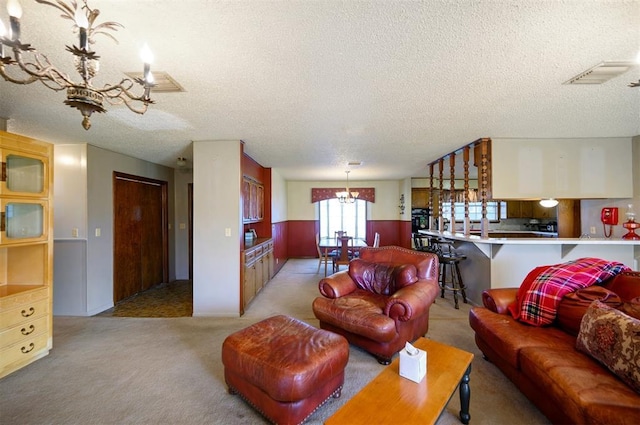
x=227, y=232
x=98, y=232
x=592, y=230
x=74, y=232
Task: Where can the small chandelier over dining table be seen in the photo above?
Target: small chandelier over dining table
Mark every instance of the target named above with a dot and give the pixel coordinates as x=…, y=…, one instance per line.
x=81, y=95
x=346, y=196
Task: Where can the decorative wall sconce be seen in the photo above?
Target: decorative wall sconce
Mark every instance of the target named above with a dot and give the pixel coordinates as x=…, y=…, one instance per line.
x=401, y=206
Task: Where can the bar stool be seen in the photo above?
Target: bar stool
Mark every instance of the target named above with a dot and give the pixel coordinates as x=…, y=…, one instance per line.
x=450, y=277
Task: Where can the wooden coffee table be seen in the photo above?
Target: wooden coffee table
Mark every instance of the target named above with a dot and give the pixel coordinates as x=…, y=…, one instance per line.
x=392, y=399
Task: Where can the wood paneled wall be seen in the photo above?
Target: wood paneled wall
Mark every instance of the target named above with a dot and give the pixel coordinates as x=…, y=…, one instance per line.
x=279, y=233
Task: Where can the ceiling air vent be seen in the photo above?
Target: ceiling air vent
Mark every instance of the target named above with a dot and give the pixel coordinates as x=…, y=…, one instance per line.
x=164, y=82
x=602, y=72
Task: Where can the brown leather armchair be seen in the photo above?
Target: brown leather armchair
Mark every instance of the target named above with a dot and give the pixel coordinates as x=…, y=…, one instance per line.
x=381, y=301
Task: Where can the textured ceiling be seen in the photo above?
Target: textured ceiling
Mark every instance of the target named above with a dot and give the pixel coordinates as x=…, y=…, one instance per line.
x=311, y=85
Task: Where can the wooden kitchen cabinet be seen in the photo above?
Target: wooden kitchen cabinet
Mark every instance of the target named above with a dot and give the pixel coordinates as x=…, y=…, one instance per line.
x=252, y=200
x=257, y=269
x=420, y=198
x=520, y=209
x=26, y=251
x=543, y=213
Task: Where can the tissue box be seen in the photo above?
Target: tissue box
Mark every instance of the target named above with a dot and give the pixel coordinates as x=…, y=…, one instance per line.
x=413, y=367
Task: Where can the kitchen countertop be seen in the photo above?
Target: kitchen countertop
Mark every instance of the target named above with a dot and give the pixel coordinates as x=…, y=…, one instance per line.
x=527, y=241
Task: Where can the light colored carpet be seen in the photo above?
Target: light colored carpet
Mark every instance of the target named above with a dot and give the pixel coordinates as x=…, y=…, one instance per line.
x=114, y=370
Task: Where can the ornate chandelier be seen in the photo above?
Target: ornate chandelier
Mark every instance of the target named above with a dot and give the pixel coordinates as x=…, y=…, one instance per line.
x=346, y=196
x=81, y=95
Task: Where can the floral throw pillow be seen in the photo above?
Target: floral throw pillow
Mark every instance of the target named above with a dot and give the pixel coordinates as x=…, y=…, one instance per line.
x=613, y=338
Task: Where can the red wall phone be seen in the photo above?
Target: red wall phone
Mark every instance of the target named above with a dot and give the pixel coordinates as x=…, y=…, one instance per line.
x=609, y=216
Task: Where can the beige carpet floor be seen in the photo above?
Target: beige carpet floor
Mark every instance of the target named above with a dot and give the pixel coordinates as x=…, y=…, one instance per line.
x=119, y=370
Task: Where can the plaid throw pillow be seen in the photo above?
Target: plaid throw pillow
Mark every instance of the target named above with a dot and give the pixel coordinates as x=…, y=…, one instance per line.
x=539, y=295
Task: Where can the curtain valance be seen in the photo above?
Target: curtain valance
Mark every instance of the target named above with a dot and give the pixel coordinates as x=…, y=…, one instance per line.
x=324, y=193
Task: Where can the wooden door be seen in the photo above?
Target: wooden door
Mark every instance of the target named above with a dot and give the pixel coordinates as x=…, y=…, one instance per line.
x=140, y=257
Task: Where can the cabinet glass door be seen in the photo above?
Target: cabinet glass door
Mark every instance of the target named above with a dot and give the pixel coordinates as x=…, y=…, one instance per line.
x=23, y=174
x=23, y=221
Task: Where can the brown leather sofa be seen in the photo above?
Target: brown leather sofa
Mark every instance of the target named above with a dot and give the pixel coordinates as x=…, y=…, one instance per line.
x=382, y=300
x=567, y=385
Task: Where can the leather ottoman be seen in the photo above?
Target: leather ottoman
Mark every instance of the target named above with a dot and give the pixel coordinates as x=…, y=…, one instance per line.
x=285, y=368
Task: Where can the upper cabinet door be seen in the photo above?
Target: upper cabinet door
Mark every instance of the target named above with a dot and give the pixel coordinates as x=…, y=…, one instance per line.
x=24, y=174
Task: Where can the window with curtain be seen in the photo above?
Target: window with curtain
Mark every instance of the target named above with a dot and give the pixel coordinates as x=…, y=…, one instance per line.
x=335, y=216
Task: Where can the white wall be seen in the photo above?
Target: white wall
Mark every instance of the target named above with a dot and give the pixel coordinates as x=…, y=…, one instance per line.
x=590, y=208
x=70, y=191
x=561, y=168
x=86, y=182
x=278, y=197
x=384, y=208
x=69, y=217
x=217, y=176
x=182, y=178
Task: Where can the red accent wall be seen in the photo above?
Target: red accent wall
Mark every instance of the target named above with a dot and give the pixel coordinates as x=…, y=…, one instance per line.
x=280, y=247
x=302, y=238
x=405, y=234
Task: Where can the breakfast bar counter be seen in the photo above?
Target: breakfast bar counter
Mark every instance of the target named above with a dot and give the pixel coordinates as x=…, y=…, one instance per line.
x=501, y=262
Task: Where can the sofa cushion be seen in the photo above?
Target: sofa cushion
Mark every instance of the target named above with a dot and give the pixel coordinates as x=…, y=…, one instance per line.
x=632, y=308
x=587, y=392
x=612, y=338
x=380, y=278
x=405, y=275
x=361, y=313
x=575, y=304
x=508, y=337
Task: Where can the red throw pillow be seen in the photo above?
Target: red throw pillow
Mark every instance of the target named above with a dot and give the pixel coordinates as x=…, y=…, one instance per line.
x=575, y=304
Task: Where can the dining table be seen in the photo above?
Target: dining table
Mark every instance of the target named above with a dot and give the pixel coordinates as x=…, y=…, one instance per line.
x=344, y=244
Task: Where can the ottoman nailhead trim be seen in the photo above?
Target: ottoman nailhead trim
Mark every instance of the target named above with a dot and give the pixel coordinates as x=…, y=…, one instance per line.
x=332, y=395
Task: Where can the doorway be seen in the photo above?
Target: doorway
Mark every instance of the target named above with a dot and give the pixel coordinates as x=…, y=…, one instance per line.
x=140, y=236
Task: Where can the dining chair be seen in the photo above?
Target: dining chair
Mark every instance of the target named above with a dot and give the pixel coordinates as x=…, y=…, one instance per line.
x=331, y=255
x=339, y=259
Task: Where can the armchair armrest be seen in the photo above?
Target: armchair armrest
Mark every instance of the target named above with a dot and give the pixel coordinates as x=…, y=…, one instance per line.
x=337, y=285
x=412, y=301
x=498, y=299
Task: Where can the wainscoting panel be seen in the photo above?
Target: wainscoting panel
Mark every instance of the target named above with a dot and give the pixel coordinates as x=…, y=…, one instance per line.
x=279, y=233
x=302, y=238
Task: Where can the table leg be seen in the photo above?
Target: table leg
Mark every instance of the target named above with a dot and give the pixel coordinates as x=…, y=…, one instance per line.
x=326, y=259
x=465, y=396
